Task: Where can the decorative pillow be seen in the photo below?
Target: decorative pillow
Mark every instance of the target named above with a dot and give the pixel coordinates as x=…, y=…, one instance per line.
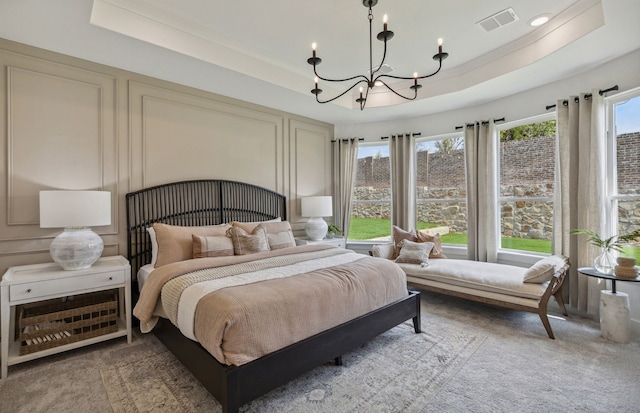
x=543, y=270
x=217, y=246
x=245, y=243
x=175, y=243
x=279, y=233
x=398, y=236
x=154, y=245
x=414, y=252
x=279, y=240
x=436, y=252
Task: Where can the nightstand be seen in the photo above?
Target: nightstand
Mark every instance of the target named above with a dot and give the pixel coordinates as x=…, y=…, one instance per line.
x=337, y=242
x=85, y=317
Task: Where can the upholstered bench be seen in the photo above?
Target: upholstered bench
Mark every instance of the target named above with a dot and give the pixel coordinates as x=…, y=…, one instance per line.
x=525, y=289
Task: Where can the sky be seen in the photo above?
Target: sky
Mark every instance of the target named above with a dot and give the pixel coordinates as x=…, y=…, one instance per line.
x=627, y=120
x=628, y=116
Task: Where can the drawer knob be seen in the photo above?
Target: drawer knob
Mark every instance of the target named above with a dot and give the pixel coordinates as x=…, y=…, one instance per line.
x=110, y=278
x=28, y=290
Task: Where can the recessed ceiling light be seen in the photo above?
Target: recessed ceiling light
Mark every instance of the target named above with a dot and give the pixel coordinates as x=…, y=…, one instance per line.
x=539, y=20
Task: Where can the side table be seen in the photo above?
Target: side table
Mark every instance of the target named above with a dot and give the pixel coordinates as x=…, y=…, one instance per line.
x=42, y=285
x=614, y=307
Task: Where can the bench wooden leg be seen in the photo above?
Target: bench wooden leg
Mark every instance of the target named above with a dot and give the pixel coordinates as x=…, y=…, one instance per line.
x=545, y=322
x=560, y=302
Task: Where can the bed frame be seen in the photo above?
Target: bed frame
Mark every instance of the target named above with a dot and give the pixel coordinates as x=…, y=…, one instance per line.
x=211, y=202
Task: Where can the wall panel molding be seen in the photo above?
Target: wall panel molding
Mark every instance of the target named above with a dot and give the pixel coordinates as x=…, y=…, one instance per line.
x=176, y=135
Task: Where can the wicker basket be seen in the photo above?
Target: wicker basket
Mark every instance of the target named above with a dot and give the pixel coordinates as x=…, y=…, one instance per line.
x=63, y=322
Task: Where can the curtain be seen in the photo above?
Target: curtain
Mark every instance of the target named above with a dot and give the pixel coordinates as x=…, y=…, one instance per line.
x=480, y=142
x=345, y=157
x=403, y=193
x=579, y=193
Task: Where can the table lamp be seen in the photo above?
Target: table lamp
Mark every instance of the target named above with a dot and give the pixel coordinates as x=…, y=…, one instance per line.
x=78, y=247
x=316, y=207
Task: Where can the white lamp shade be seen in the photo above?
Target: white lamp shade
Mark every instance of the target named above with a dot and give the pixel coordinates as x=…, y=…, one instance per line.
x=78, y=247
x=317, y=206
x=61, y=209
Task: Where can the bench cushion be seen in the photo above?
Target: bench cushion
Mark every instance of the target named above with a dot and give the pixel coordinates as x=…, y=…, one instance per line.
x=497, y=278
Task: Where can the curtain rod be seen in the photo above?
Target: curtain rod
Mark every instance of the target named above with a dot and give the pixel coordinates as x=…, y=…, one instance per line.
x=586, y=96
x=484, y=122
x=402, y=134
x=347, y=140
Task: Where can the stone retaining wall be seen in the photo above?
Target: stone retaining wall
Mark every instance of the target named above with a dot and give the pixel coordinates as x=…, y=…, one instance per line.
x=528, y=174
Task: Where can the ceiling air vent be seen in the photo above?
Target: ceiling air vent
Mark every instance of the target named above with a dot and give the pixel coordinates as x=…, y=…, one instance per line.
x=498, y=20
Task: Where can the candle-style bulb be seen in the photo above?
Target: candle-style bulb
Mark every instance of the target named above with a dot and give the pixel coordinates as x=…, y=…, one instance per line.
x=314, y=45
x=439, y=42
x=316, y=80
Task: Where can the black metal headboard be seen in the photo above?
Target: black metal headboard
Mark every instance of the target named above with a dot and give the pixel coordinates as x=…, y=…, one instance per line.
x=195, y=203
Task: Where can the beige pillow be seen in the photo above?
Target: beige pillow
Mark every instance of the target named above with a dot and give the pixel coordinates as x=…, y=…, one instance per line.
x=436, y=252
x=250, y=226
x=245, y=243
x=398, y=236
x=414, y=252
x=217, y=246
x=175, y=243
x=279, y=233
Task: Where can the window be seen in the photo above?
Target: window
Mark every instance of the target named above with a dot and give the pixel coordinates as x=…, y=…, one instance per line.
x=371, y=204
x=527, y=170
x=441, y=197
x=623, y=166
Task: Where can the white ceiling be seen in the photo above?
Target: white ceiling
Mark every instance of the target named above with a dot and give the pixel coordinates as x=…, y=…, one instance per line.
x=257, y=51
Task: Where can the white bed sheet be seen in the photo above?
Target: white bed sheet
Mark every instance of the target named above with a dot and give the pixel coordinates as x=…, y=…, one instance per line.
x=143, y=274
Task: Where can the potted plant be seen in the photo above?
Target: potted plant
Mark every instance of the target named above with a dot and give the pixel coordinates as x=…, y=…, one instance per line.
x=606, y=262
x=333, y=230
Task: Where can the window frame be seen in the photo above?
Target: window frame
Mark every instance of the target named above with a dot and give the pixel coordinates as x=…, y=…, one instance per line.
x=506, y=253
x=432, y=138
x=611, y=195
x=353, y=200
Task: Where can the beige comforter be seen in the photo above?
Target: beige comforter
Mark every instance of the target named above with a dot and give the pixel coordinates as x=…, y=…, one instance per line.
x=240, y=323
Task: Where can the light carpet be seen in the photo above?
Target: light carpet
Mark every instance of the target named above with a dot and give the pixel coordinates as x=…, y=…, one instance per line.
x=398, y=371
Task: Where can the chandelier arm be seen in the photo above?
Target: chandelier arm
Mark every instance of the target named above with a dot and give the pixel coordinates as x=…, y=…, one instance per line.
x=415, y=91
x=410, y=78
x=343, y=93
x=365, y=79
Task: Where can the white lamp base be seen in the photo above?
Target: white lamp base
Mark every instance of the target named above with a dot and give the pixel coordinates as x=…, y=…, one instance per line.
x=315, y=228
x=76, y=248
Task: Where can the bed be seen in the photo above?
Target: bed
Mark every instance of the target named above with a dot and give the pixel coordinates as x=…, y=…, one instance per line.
x=212, y=203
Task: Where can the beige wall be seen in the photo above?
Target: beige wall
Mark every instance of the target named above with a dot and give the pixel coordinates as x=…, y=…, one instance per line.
x=70, y=124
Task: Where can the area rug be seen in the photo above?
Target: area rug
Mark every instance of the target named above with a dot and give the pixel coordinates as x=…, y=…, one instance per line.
x=398, y=371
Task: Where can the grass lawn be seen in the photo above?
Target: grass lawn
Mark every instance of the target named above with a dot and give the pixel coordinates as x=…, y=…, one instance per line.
x=370, y=228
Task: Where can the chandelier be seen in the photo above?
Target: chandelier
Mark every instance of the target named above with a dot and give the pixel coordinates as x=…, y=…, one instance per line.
x=372, y=79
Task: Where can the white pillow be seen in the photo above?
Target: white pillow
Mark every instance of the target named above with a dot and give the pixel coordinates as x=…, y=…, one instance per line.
x=543, y=270
x=154, y=245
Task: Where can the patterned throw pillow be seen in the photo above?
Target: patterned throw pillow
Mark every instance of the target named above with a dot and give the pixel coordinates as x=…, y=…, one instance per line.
x=398, y=236
x=279, y=233
x=216, y=246
x=245, y=243
x=414, y=252
x=436, y=252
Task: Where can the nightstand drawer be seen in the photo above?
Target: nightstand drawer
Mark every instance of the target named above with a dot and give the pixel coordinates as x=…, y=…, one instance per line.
x=66, y=286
